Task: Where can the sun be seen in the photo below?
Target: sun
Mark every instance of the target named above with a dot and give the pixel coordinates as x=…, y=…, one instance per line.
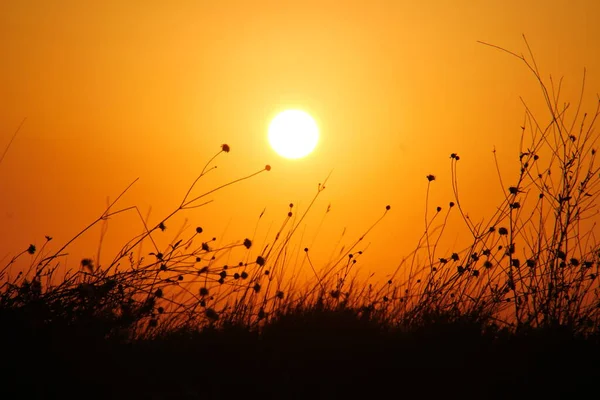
x=293, y=134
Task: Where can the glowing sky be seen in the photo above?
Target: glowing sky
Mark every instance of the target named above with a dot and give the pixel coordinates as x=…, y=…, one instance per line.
x=117, y=90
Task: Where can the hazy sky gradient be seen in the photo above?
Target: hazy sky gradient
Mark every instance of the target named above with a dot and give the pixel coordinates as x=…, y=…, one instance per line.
x=115, y=90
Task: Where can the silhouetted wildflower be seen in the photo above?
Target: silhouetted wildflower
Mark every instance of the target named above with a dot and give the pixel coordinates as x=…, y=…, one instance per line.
x=225, y=148
x=260, y=260
x=475, y=273
x=561, y=254
x=530, y=263
x=163, y=267
x=438, y=209
x=88, y=263
x=487, y=264
x=180, y=278
x=486, y=252
x=289, y=214
x=211, y=314
x=205, y=246
x=31, y=249
x=516, y=263
x=203, y=270
x=335, y=294
x=247, y=243
x=515, y=205
x=162, y=226
x=267, y=167
x=160, y=310
x=223, y=274
x=513, y=190
x=388, y=207
x=261, y=314
x=198, y=229
x=443, y=261
x=204, y=291
x=256, y=287
x=244, y=275
x=451, y=204
x=430, y=177
x=574, y=262
x=503, y=231
x=475, y=257
x=48, y=238
x=279, y=294
x=158, y=293
x=454, y=256
x=153, y=323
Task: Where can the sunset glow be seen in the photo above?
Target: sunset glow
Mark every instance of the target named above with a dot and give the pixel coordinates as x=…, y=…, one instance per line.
x=293, y=134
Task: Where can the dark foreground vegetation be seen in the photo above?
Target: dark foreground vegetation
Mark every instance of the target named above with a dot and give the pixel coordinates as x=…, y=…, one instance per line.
x=514, y=314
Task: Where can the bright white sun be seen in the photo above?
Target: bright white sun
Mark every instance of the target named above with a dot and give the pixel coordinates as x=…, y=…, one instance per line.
x=293, y=134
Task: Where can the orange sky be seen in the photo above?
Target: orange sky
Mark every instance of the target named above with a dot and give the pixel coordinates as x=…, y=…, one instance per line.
x=148, y=89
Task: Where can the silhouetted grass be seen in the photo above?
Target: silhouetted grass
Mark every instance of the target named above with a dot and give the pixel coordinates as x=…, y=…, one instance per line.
x=515, y=313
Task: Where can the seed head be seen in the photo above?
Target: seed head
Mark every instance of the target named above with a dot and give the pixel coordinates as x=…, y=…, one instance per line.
x=225, y=148
x=211, y=314
x=430, y=177
x=247, y=243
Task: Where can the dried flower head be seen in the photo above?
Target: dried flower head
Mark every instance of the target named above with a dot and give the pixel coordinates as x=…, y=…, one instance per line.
x=430, y=177
x=211, y=314
x=247, y=243
x=31, y=249
x=225, y=148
